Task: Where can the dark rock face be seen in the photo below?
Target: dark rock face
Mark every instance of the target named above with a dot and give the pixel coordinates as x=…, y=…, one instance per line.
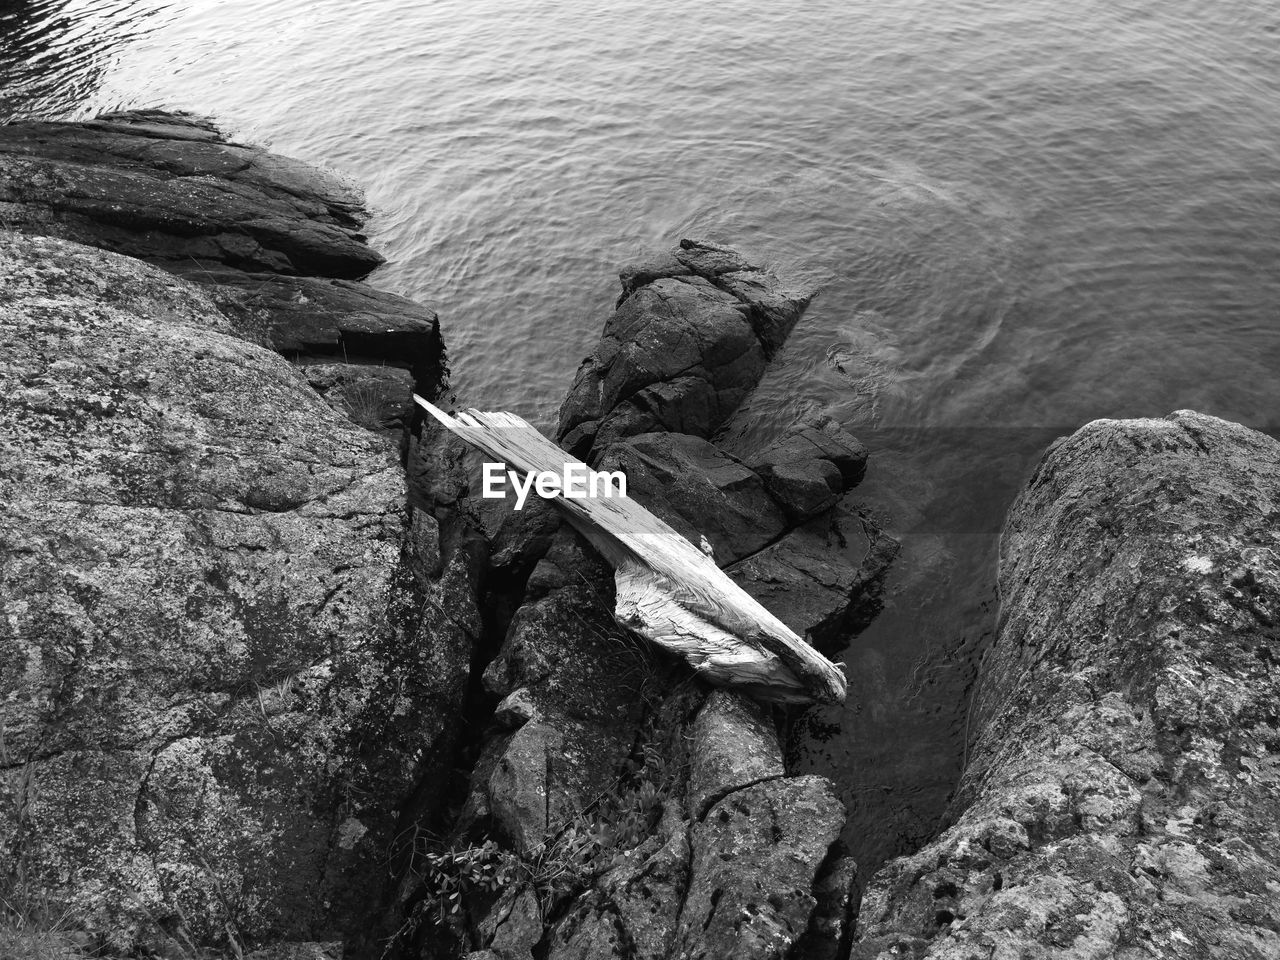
x=700, y=490
x=167, y=187
x=651, y=819
x=277, y=242
x=224, y=658
x=807, y=469
x=1122, y=797
x=689, y=341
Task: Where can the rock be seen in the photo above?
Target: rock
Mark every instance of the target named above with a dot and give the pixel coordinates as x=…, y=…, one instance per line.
x=518, y=785
x=125, y=182
x=682, y=351
x=582, y=680
x=324, y=317
x=277, y=242
x=755, y=857
x=808, y=468
x=734, y=746
x=648, y=889
x=376, y=398
x=1121, y=797
x=821, y=579
x=774, y=307
x=217, y=691
x=593, y=934
x=514, y=927
x=699, y=489
x=589, y=720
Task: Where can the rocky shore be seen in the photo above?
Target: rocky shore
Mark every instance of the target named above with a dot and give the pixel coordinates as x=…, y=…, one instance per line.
x=1122, y=796
x=280, y=684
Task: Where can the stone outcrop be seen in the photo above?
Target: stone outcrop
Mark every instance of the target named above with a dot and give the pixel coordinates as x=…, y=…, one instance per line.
x=690, y=338
x=1122, y=797
x=277, y=243
x=665, y=815
x=246, y=683
x=224, y=662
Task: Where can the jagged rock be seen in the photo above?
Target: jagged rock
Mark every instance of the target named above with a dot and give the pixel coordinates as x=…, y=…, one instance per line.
x=832, y=922
x=322, y=316
x=518, y=785
x=593, y=935
x=126, y=183
x=582, y=701
x=734, y=745
x=648, y=889
x=755, y=857
x=1122, y=796
x=514, y=927
x=822, y=578
x=216, y=688
x=276, y=241
x=681, y=352
x=774, y=307
x=699, y=489
x=808, y=468
x=584, y=680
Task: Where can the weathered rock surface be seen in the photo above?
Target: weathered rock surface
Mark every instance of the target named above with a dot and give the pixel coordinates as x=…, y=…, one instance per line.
x=756, y=855
x=222, y=672
x=822, y=578
x=700, y=490
x=376, y=398
x=734, y=745
x=1123, y=795
x=606, y=762
x=277, y=242
x=689, y=341
x=808, y=468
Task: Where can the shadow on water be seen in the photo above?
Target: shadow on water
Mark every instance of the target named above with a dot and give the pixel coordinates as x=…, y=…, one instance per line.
x=55, y=54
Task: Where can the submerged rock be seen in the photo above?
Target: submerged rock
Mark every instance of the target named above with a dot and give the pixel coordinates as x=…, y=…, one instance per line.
x=1122, y=798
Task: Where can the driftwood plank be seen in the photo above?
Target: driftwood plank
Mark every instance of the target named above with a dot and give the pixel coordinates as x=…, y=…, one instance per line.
x=667, y=589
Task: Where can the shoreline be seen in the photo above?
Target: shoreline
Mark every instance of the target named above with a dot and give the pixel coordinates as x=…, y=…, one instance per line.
x=629, y=810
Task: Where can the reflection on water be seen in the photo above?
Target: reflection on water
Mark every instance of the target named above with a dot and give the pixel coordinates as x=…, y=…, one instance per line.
x=54, y=53
x=1021, y=216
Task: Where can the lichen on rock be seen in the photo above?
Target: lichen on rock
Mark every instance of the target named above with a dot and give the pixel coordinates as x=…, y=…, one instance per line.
x=1122, y=796
x=211, y=709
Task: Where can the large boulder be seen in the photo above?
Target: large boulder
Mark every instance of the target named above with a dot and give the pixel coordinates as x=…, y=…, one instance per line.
x=1122, y=797
x=224, y=659
x=690, y=338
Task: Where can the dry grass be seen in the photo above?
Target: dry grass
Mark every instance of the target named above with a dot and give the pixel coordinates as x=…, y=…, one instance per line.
x=37, y=932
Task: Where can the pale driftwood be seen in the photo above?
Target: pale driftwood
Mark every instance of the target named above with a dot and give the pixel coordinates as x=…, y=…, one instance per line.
x=667, y=589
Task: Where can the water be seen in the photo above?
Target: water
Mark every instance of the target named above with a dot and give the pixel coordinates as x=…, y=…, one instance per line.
x=1022, y=215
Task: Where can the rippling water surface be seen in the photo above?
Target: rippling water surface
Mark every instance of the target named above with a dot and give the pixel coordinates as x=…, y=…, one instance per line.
x=1022, y=215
